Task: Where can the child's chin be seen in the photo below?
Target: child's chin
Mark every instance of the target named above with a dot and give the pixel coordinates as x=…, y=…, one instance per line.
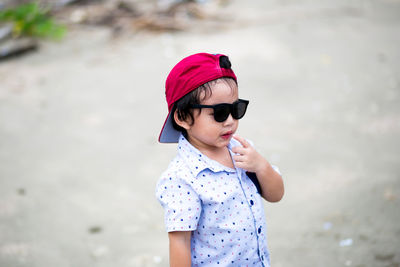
x=225, y=141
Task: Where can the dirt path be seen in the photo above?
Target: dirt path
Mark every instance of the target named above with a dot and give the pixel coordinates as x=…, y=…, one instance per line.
x=79, y=122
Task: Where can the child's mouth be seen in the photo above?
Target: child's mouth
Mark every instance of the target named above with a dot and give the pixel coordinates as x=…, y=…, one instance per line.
x=227, y=135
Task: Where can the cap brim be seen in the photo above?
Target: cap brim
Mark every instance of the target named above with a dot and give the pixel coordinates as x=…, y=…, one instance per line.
x=168, y=133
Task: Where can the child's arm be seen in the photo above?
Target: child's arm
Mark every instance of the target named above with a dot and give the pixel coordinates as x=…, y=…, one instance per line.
x=249, y=159
x=179, y=249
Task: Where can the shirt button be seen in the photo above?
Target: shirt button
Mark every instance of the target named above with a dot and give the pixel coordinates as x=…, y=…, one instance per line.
x=262, y=257
x=251, y=202
x=259, y=230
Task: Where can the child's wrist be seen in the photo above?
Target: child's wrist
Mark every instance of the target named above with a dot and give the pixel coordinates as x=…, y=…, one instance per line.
x=263, y=166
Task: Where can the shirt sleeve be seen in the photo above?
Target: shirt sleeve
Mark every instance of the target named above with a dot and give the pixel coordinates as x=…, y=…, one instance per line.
x=181, y=204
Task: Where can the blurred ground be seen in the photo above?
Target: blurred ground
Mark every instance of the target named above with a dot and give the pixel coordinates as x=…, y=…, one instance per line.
x=79, y=122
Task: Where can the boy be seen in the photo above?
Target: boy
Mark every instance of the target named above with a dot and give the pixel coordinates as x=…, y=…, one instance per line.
x=211, y=192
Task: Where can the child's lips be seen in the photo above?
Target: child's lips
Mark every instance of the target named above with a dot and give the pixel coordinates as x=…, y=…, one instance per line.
x=227, y=135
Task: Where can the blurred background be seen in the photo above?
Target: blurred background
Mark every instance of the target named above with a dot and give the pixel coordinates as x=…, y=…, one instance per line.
x=82, y=103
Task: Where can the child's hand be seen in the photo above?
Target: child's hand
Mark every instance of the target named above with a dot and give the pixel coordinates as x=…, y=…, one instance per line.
x=247, y=157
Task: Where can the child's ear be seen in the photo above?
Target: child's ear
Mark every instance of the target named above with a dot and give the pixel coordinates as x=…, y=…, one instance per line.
x=184, y=124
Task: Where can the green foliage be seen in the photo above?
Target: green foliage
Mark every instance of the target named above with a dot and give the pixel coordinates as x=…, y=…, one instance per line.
x=32, y=20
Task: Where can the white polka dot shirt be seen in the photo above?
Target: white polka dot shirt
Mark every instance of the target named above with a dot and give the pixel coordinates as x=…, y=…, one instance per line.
x=220, y=205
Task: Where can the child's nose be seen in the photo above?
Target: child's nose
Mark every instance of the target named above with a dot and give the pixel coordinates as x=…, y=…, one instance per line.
x=229, y=120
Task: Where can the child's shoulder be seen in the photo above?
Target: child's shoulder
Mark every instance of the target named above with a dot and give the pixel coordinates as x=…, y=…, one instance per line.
x=176, y=169
x=177, y=175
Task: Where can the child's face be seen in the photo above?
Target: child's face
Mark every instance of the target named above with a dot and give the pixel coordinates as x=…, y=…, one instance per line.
x=206, y=132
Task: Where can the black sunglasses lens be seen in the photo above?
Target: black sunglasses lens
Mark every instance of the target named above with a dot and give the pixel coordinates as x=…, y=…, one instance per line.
x=221, y=112
x=239, y=109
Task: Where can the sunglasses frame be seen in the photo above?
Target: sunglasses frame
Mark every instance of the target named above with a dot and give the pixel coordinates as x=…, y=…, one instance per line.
x=231, y=108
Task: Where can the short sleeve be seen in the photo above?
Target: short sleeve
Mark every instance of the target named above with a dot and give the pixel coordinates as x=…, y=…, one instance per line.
x=181, y=204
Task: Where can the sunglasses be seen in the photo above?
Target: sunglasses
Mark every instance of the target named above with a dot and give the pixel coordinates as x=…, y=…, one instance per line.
x=222, y=111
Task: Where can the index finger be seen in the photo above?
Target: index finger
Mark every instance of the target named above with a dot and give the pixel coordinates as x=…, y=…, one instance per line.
x=242, y=141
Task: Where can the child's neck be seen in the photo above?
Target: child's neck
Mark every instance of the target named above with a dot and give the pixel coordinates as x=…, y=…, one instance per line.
x=220, y=155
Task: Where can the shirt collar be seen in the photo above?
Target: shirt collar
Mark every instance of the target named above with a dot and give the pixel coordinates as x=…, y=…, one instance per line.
x=197, y=161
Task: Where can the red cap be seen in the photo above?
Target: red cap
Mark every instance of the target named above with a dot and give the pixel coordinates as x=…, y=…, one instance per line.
x=190, y=73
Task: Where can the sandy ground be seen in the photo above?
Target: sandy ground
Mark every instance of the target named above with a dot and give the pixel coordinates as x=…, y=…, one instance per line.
x=79, y=122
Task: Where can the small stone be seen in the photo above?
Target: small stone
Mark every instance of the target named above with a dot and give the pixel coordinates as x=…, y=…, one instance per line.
x=95, y=229
x=21, y=191
x=384, y=257
x=346, y=242
x=327, y=226
x=157, y=259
